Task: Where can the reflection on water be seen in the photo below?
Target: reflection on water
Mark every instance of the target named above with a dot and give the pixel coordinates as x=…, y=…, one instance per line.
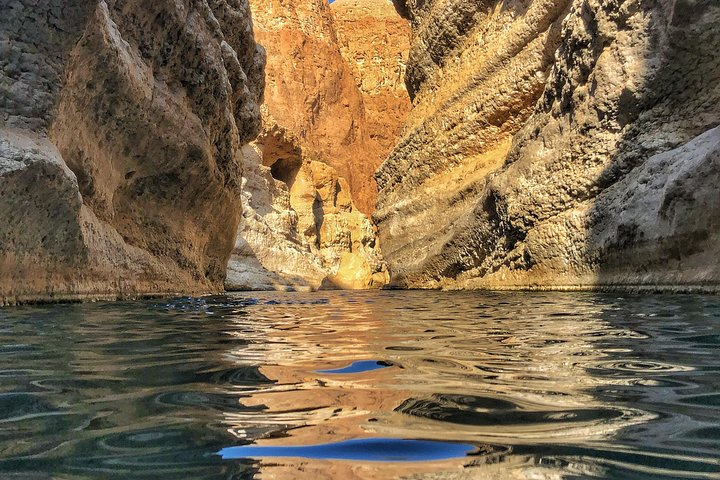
x=363, y=449
x=363, y=385
x=358, y=367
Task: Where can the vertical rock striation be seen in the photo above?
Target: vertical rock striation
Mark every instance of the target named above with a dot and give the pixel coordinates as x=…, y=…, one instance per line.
x=375, y=42
x=309, y=181
x=121, y=124
x=557, y=144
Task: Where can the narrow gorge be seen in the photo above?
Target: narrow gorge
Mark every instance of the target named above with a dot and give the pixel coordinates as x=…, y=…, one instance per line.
x=335, y=102
x=191, y=147
x=359, y=239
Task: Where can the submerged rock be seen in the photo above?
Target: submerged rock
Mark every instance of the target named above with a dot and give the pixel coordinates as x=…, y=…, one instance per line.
x=559, y=144
x=121, y=125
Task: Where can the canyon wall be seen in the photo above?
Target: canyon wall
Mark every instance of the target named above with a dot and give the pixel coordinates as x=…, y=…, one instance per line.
x=121, y=127
x=375, y=42
x=301, y=230
x=309, y=183
x=557, y=144
x=311, y=91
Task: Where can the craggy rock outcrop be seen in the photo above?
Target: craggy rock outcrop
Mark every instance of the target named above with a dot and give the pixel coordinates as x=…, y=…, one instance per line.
x=554, y=143
x=121, y=124
x=310, y=174
x=375, y=41
x=301, y=230
x=311, y=91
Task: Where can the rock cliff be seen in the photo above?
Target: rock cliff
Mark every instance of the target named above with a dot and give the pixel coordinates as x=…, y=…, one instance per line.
x=557, y=144
x=375, y=42
x=301, y=230
x=309, y=182
x=121, y=127
x=311, y=90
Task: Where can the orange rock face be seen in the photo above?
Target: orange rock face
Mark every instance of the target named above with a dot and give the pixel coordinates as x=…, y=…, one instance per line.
x=334, y=104
x=335, y=83
x=375, y=42
x=311, y=91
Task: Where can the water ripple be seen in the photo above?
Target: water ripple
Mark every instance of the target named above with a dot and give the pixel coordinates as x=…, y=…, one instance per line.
x=539, y=385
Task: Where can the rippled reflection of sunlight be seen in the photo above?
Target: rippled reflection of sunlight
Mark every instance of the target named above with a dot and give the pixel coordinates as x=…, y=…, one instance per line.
x=363, y=385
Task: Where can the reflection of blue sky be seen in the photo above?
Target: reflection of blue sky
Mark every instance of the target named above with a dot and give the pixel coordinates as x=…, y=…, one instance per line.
x=366, y=449
x=358, y=367
x=547, y=385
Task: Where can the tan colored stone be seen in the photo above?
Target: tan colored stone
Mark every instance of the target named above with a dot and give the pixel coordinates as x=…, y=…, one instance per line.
x=375, y=42
x=303, y=233
x=612, y=110
x=120, y=131
x=311, y=92
x=314, y=160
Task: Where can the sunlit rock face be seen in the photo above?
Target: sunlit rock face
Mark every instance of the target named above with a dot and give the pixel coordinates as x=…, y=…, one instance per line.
x=375, y=42
x=311, y=90
x=121, y=124
x=558, y=143
x=309, y=186
x=300, y=228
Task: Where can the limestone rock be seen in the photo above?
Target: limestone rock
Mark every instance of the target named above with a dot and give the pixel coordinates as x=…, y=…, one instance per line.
x=310, y=180
x=311, y=90
x=554, y=143
x=301, y=230
x=269, y=253
x=375, y=42
x=121, y=125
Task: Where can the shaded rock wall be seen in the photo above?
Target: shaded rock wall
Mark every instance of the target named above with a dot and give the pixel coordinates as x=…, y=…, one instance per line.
x=560, y=144
x=121, y=124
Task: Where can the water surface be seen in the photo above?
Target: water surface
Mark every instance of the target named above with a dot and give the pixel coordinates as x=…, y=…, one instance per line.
x=363, y=385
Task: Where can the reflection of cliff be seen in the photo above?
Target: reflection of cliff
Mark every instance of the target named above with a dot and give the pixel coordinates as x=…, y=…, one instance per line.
x=309, y=180
x=503, y=385
x=561, y=144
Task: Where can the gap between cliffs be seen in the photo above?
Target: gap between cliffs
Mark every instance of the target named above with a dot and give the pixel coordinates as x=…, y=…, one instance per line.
x=334, y=106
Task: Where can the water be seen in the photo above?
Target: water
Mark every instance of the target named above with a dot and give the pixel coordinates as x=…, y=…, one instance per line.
x=363, y=385
x=360, y=449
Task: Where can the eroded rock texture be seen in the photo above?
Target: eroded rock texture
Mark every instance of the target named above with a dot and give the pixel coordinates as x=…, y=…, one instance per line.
x=301, y=230
x=310, y=183
x=557, y=143
x=311, y=90
x=121, y=124
x=375, y=42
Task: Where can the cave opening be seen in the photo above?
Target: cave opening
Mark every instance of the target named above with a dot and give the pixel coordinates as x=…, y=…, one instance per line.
x=286, y=170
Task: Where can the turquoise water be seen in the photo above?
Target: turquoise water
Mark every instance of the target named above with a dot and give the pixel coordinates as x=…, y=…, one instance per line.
x=363, y=385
